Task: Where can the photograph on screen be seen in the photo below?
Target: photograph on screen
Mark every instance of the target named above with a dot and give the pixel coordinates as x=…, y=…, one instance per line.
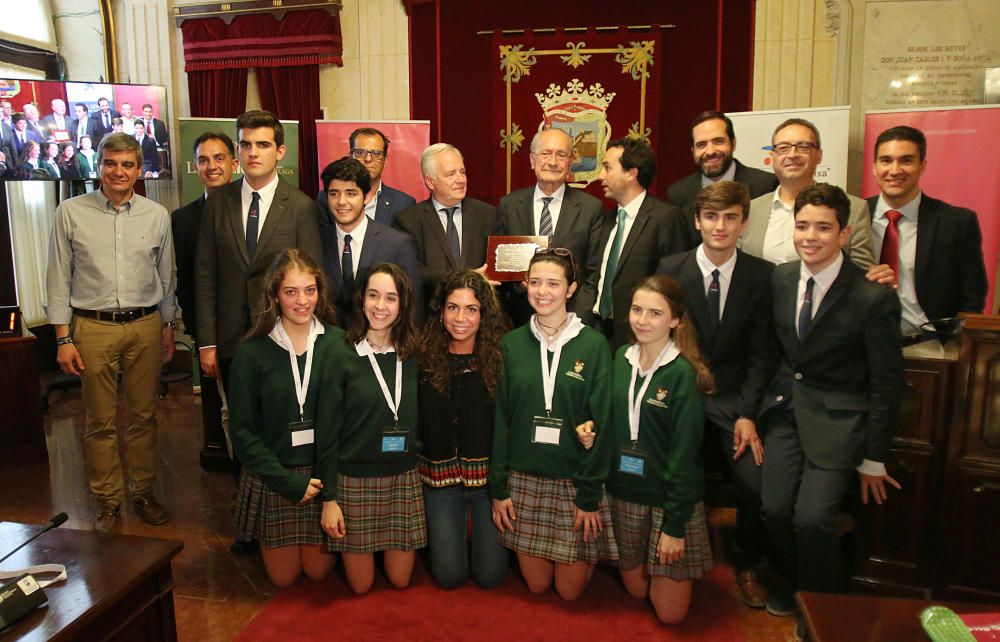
x=51, y=130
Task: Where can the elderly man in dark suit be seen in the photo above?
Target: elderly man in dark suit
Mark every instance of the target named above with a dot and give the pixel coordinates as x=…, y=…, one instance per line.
x=935, y=249
x=713, y=142
x=449, y=229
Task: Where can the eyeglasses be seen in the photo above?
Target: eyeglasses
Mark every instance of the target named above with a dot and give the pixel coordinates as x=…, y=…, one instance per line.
x=558, y=251
x=548, y=154
x=802, y=147
x=376, y=154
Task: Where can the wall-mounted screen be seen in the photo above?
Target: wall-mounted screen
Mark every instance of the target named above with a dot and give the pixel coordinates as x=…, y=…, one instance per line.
x=50, y=130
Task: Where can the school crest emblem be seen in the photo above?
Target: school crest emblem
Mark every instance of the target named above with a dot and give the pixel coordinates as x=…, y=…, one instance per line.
x=577, y=371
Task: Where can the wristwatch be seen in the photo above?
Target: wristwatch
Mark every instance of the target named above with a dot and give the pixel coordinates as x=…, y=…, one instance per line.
x=63, y=341
x=170, y=324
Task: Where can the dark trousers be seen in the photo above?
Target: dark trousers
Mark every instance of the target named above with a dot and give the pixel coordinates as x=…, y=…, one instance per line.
x=224, y=367
x=800, y=503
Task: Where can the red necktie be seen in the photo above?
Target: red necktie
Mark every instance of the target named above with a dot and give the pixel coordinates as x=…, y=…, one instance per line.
x=890, y=242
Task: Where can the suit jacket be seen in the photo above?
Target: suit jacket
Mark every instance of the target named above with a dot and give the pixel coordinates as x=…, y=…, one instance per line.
x=150, y=155
x=185, y=223
x=949, y=271
x=742, y=354
x=230, y=283
x=7, y=147
x=859, y=245
x=682, y=193
x=845, y=379
x=390, y=202
x=160, y=131
x=19, y=148
x=658, y=231
x=423, y=224
x=382, y=244
x=97, y=118
x=49, y=125
x=91, y=131
x=578, y=230
x=38, y=128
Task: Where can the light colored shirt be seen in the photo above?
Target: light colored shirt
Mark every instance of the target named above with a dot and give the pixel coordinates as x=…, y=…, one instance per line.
x=725, y=274
x=778, y=246
x=128, y=126
x=372, y=205
x=107, y=258
x=631, y=211
x=357, y=242
x=443, y=217
x=555, y=206
x=266, y=196
x=728, y=175
x=913, y=315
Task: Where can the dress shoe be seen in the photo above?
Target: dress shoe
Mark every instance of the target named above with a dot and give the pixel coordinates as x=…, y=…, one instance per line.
x=107, y=519
x=150, y=510
x=243, y=546
x=752, y=590
x=781, y=602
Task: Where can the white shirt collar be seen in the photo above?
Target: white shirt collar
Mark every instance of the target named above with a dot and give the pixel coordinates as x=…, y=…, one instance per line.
x=728, y=175
x=265, y=192
x=438, y=206
x=632, y=208
x=570, y=330
x=669, y=354
x=363, y=348
x=706, y=266
x=826, y=276
x=276, y=335
x=556, y=196
x=777, y=203
x=357, y=234
x=910, y=211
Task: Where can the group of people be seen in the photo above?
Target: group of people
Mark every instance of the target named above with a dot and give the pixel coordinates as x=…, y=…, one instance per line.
x=379, y=401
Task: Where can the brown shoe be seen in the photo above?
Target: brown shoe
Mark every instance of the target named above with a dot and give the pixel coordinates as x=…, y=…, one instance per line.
x=752, y=590
x=107, y=519
x=149, y=509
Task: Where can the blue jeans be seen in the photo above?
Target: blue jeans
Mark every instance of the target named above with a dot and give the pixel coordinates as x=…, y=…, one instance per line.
x=448, y=511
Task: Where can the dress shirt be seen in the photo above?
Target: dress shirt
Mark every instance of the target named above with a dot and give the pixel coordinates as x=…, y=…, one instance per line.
x=60, y=121
x=443, y=217
x=372, y=205
x=266, y=196
x=555, y=205
x=357, y=241
x=821, y=284
x=103, y=257
x=725, y=275
x=728, y=175
x=913, y=314
x=128, y=126
x=778, y=245
x=631, y=211
x=81, y=130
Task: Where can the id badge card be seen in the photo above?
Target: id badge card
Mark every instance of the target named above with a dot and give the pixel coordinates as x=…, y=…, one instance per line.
x=394, y=440
x=302, y=433
x=631, y=462
x=546, y=430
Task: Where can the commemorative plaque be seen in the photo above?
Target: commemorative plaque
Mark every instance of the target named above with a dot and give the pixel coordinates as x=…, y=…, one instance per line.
x=507, y=257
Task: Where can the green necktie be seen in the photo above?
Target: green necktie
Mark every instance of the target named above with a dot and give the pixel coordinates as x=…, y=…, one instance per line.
x=607, y=307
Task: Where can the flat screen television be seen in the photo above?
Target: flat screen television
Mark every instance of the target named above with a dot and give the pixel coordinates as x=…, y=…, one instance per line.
x=50, y=130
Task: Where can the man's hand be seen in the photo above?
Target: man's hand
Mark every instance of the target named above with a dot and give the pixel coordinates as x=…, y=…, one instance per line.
x=482, y=270
x=168, y=343
x=69, y=359
x=745, y=434
x=882, y=274
x=876, y=485
x=208, y=357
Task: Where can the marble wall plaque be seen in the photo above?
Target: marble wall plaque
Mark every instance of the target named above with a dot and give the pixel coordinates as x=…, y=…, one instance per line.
x=929, y=53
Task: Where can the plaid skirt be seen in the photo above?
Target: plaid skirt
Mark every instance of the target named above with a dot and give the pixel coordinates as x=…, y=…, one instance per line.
x=381, y=513
x=544, y=527
x=637, y=540
x=262, y=514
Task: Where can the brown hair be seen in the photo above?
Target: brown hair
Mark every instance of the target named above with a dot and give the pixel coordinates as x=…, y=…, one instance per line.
x=720, y=195
x=283, y=263
x=493, y=323
x=257, y=118
x=684, y=334
x=403, y=334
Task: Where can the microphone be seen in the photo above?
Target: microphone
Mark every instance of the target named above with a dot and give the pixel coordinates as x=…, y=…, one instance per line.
x=55, y=522
x=24, y=593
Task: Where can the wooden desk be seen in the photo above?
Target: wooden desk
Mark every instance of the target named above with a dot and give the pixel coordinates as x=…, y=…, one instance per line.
x=119, y=588
x=856, y=618
x=22, y=438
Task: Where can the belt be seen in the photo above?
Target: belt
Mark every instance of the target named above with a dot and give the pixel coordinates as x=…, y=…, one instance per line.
x=116, y=316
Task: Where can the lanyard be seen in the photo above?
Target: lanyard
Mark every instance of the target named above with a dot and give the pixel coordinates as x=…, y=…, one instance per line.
x=635, y=402
x=393, y=405
x=301, y=385
x=549, y=377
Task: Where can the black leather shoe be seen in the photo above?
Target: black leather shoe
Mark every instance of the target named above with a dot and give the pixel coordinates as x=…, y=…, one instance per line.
x=243, y=547
x=150, y=510
x=107, y=519
x=781, y=602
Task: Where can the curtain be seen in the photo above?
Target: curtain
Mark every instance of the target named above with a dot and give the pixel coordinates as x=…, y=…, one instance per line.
x=32, y=214
x=220, y=93
x=293, y=94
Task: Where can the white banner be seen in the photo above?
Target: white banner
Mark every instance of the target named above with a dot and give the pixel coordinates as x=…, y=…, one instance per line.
x=753, y=138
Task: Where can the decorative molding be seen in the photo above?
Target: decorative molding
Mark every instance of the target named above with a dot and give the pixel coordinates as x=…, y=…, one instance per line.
x=229, y=10
x=110, y=42
x=833, y=18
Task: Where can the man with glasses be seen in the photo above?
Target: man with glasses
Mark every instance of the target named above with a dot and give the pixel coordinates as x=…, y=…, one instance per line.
x=795, y=153
x=382, y=203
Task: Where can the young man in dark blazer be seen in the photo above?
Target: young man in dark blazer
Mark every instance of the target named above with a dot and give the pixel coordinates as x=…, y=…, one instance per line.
x=729, y=301
x=571, y=218
x=645, y=230
x=936, y=249
x=834, y=401
x=354, y=243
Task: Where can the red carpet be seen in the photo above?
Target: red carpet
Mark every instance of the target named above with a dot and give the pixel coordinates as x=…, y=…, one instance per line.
x=328, y=610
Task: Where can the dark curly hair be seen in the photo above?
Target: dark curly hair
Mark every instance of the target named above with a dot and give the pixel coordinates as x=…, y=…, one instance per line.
x=493, y=323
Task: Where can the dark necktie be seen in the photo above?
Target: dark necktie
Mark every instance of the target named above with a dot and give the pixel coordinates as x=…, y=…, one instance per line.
x=890, y=242
x=452, y=233
x=806, y=313
x=347, y=267
x=107, y=121
x=253, y=224
x=714, y=304
x=545, y=221
x=607, y=304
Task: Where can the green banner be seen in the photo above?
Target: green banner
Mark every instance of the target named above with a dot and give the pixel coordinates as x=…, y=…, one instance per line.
x=192, y=128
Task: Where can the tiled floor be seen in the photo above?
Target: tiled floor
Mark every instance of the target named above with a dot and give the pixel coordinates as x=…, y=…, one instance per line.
x=216, y=593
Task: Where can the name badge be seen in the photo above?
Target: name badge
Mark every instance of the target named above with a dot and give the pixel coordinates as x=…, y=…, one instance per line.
x=302, y=433
x=547, y=430
x=632, y=462
x=394, y=441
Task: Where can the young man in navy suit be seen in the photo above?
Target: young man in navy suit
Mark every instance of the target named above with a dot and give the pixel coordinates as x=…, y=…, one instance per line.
x=834, y=401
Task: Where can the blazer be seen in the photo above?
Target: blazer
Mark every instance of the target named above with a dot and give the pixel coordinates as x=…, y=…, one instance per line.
x=91, y=131
x=859, y=245
x=382, y=244
x=185, y=223
x=422, y=223
x=949, y=271
x=845, y=378
x=682, y=193
x=658, y=231
x=19, y=148
x=150, y=155
x=49, y=124
x=97, y=117
x=743, y=353
x=160, y=132
x=230, y=283
x=390, y=202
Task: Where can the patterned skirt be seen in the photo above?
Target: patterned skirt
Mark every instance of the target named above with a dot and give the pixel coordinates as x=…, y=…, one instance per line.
x=262, y=514
x=381, y=513
x=544, y=527
x=637, y=529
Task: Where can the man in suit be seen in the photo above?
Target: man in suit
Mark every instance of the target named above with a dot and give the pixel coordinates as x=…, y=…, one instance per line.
x=834, y=401
x=103, y=119
x=21, y=136
x=33, y=119
x=729, y=301
x=371, y=147
x=155, y=127
x=7, y=137
x=352, y=242
x=82, y=125
x=57, y=125
x=150, y=155
x=713, y=142
x=646, y=229
x=795, y=153
x=571, y=218
x=6, y=112
x=449, y=229
x=936, y=249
